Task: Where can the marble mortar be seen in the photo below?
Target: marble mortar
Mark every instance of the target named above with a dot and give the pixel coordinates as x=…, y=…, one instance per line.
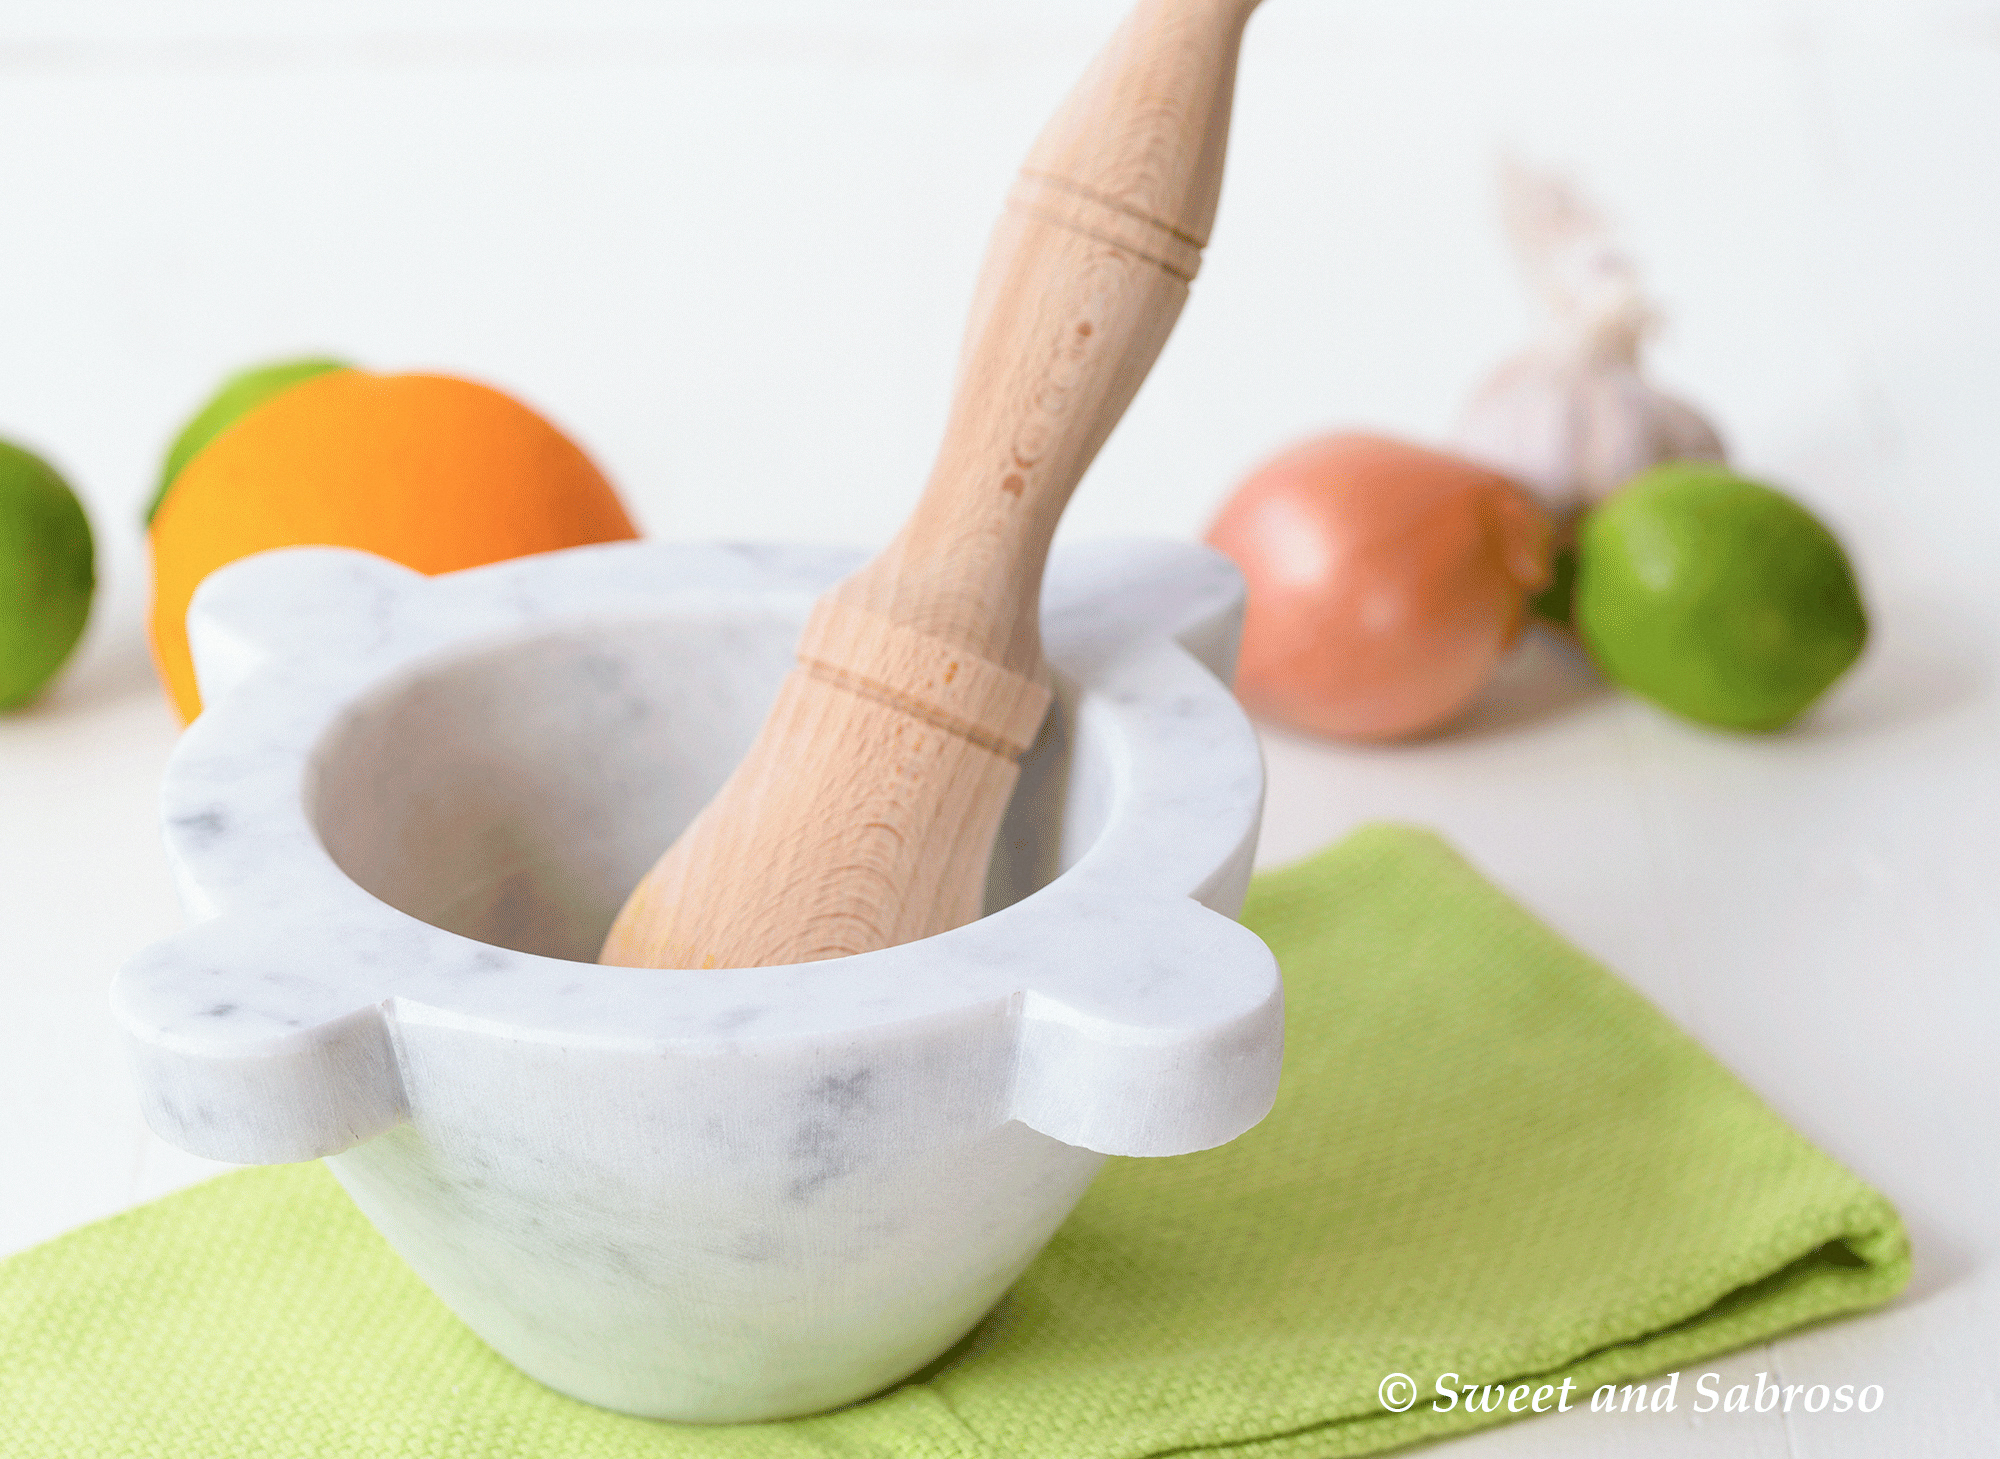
x=405, y=820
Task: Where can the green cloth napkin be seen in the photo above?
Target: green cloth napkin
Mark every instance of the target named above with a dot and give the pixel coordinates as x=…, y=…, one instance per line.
x=1489, y=1157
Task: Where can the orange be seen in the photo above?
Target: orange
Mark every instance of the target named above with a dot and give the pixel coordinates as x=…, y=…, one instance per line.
x=433, y=472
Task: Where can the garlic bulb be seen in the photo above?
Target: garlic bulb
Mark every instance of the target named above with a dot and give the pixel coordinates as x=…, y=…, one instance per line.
x=1572, y=418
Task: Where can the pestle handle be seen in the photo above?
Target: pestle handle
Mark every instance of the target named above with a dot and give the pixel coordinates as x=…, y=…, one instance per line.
x=864, y=814
x=1084, y=277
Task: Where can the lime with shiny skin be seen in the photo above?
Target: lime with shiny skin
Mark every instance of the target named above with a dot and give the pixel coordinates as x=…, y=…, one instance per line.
x=47, y=574
x=1719, y=598
x=235, y=398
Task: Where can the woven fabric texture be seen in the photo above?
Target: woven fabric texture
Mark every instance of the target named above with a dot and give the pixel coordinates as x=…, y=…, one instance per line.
x=1489, y=1157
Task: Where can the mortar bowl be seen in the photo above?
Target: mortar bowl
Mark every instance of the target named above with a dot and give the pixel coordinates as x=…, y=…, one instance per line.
x=405, y=820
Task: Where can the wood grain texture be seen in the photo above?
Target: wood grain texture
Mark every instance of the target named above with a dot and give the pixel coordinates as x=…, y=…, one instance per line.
x=864, y=814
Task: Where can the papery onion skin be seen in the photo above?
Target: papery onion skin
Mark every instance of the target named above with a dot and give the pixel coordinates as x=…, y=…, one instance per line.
x=1386, y=581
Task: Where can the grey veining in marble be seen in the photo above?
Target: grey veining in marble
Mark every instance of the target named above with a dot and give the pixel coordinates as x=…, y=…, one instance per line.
x=405, y=820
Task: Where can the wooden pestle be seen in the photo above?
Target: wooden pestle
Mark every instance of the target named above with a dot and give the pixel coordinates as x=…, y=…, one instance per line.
x=864, y=814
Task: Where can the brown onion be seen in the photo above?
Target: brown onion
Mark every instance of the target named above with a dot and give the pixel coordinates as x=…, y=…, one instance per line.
x=1386, y=582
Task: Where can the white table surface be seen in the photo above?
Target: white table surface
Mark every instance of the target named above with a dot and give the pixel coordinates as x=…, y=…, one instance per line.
x=729, y=249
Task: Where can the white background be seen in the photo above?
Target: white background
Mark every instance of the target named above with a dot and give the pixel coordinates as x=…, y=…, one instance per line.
x=728, y=248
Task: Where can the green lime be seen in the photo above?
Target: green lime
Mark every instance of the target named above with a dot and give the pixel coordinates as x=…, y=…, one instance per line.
x=1718, y=598
x=240, y=394
x=47, y=574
